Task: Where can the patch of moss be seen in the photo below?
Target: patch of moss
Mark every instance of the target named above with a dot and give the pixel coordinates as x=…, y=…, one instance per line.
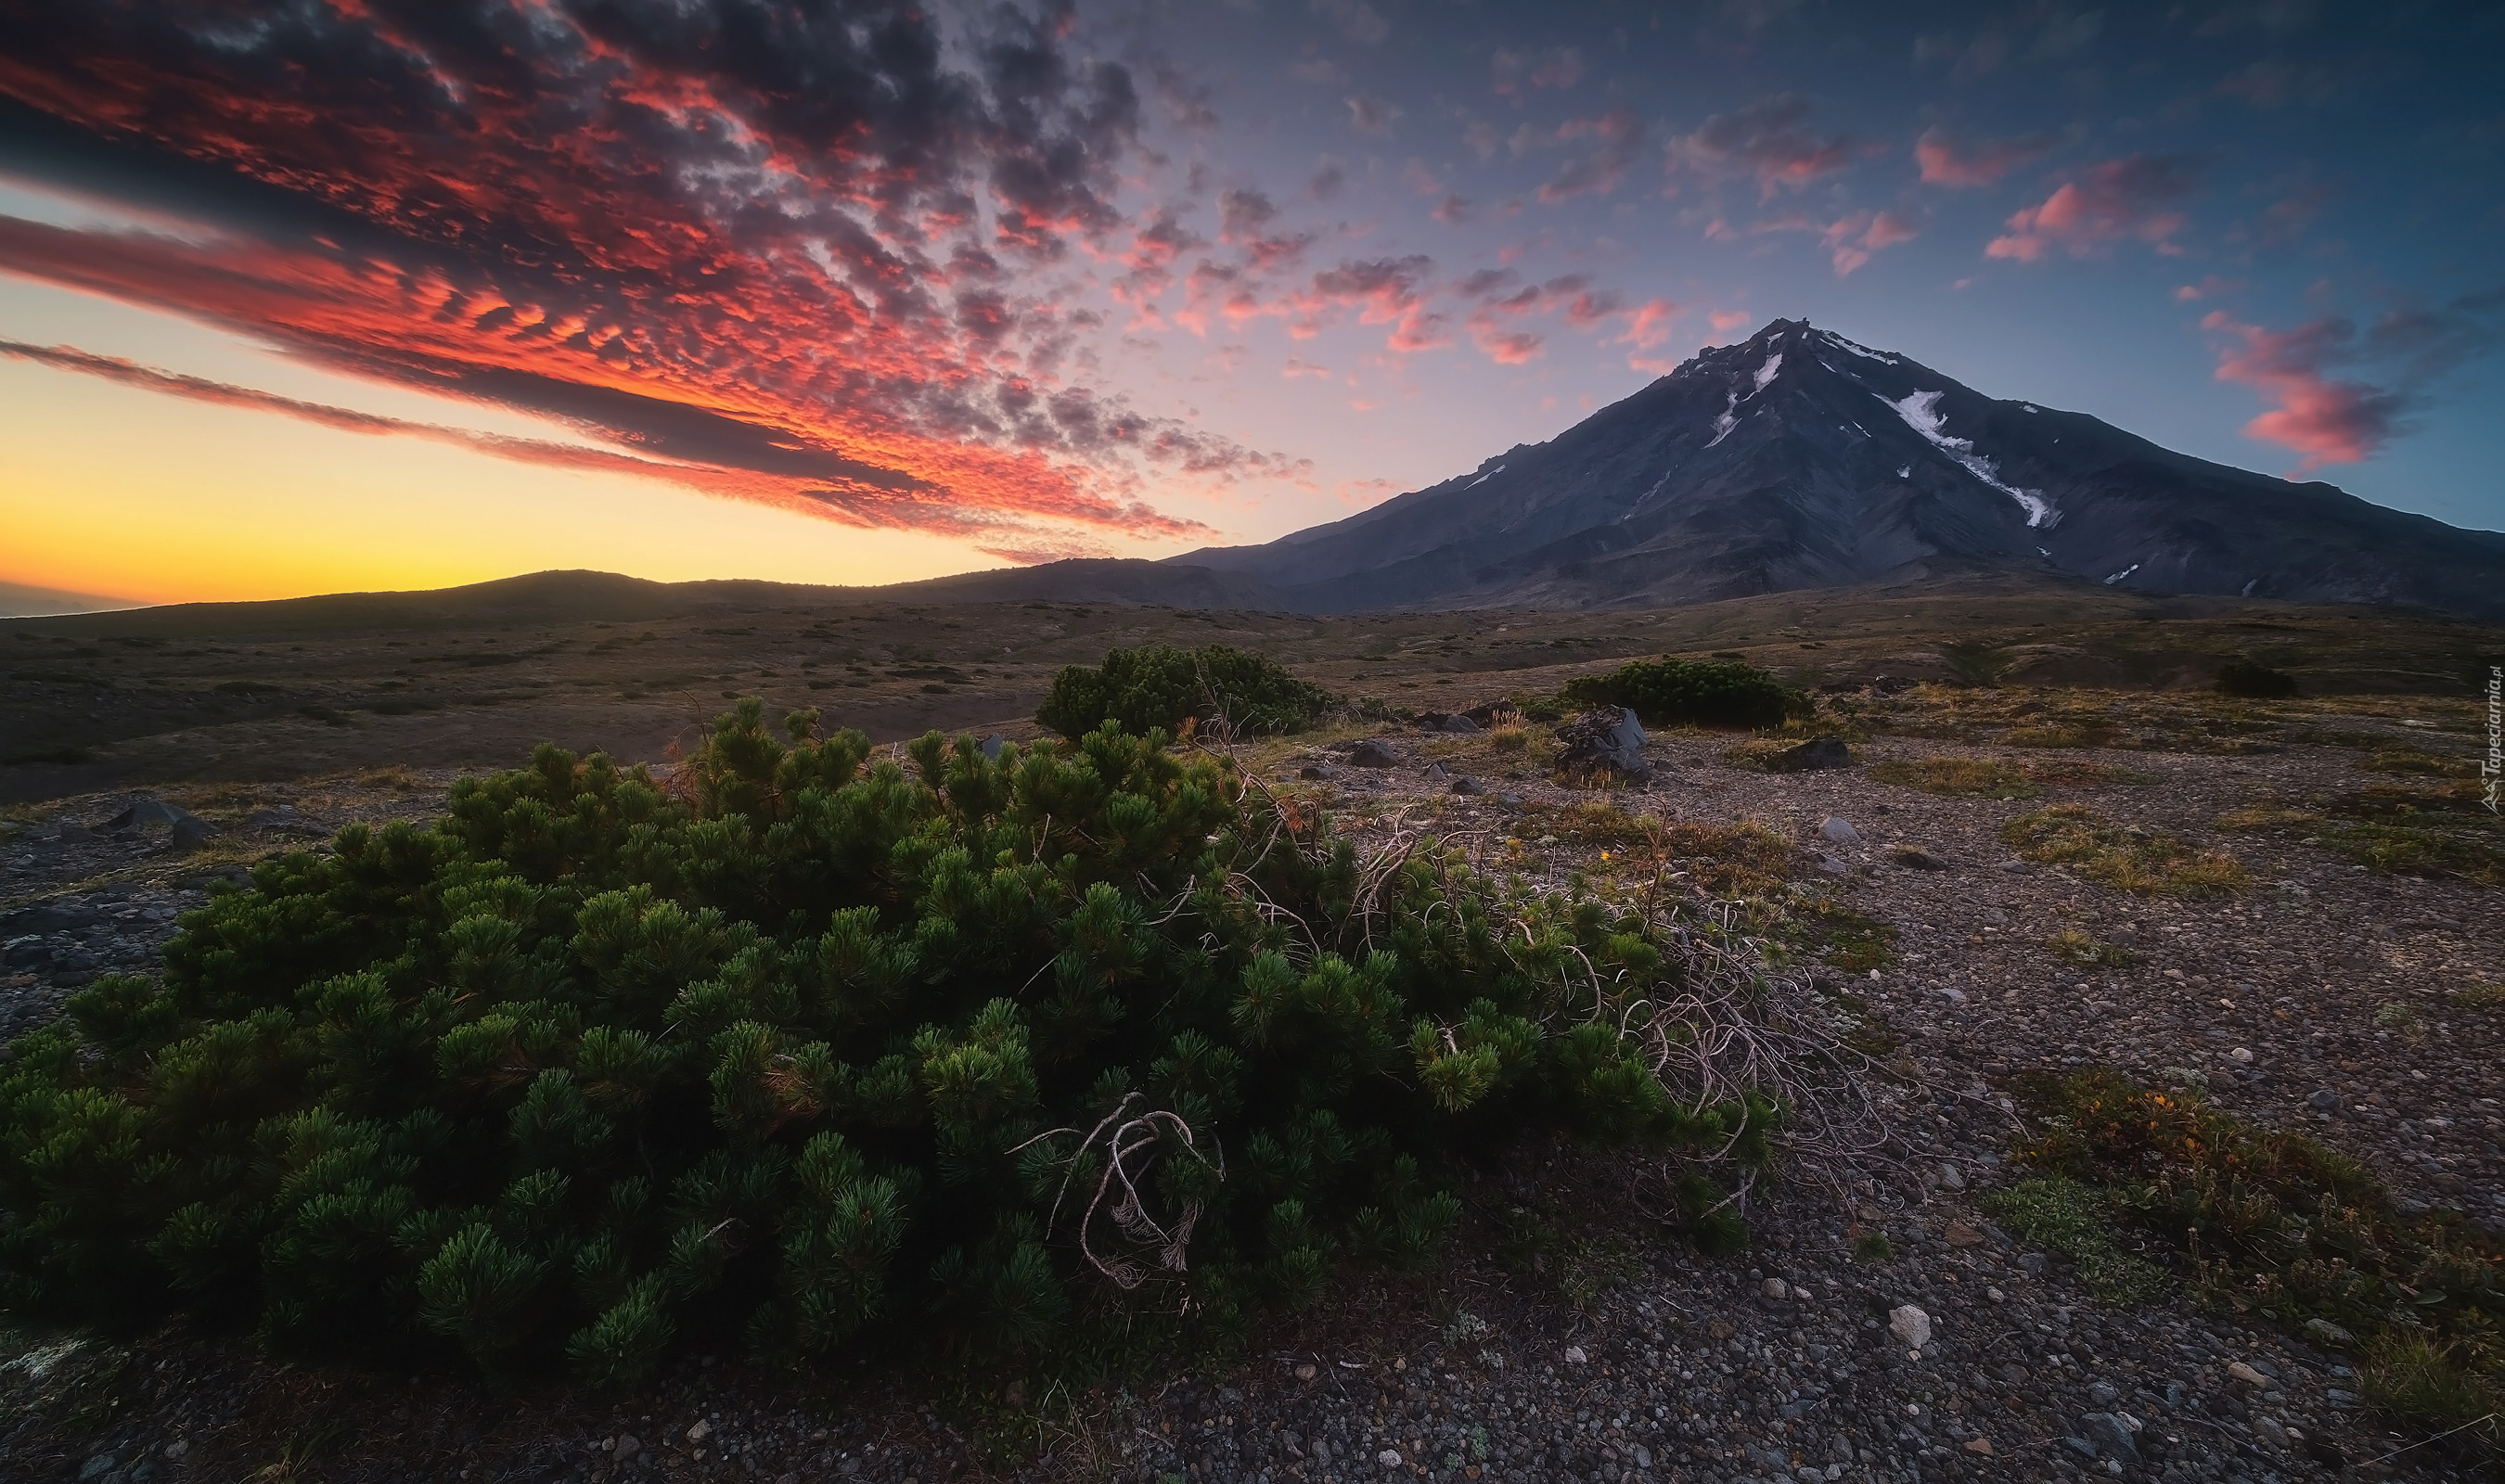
x=1962, y=777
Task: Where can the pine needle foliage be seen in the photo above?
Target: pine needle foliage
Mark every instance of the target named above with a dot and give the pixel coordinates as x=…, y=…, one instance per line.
x=1696, y=693
x=1163, y=687
x=830, y=1052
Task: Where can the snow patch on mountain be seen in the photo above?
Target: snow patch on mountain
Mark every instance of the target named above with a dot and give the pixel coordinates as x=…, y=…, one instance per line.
x=2125, y=573
x=1725, y=420
x=1484, y=478
x=1766, y=372
x=1922, y=413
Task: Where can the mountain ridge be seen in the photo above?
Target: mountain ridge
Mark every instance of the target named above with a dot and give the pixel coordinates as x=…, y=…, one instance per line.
x=1799, y=457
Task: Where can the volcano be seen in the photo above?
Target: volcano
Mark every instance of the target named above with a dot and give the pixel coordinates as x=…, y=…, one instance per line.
x=1800, y=459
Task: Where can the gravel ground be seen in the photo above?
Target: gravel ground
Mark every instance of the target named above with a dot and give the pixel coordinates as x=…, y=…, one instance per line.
x=1964, y=1355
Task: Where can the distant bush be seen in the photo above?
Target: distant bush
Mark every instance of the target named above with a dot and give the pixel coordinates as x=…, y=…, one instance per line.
x=2259, y=682
x=1699, y=693
x=1159, y=686
x=825, y=1055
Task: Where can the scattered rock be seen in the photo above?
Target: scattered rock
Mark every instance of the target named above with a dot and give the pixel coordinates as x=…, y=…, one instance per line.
x=2323, y=1100
x=1607, y=739
x=1311, y=774
x=1373, y=753
x=2241, y=1054
x=2246, y=1374
x=1950, y=994
x=2329, y=1334
x=1833, y=867
x=1813, y=755
x=701, y=1431
x=2110, y=1436
x=1467, y=786
x=1574, y=1355
x=990, y=746
x=191, y=831
x=628, y=1445
x=1909, y=1324
x=1388, y=1458
x=1981, y=1445
x=1461, y=723
x=1914, y=858
x=1775, y=1287
x=1952, y=1178
x=1837, y=828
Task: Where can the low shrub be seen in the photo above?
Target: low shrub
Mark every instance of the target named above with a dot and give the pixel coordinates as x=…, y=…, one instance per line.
x=828, y=1053
x=2273, y=1222
x=2254, y=681
x=1163, y=687
x=1693, y=693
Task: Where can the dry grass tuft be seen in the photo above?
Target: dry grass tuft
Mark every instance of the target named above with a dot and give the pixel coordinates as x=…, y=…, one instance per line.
x=2125, y=857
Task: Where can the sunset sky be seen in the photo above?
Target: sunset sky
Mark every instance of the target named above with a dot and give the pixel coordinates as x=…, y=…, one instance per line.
x=383, y=293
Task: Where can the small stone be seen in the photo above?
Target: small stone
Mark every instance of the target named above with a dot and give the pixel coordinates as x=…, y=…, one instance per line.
x=2323, y=1100
x=1950, y=994
x=1305, y=1372
x=1373, y=753
x=2103, y=1394
x=1643, y=1456
x=700, y=1432
x=1461, y=723
x=2328, y=1332
x=96, y=1466
x=1959, y=1234
x=1837, y=828
x=1574, y=1355
x=1775, y=1287
x=990, y=747
x=1951, y=1179
x=2241, y=1054
x=1466, y=787
x=628, y=1445
x=1995, y=1296
x=1982, y=1445
x=1311, y=774
x=2271, y=1431
x=1388, y=1458
x=1914, y=858
x=1833, y=867
x=2246, y=1374
x=2110, y=1435
x=1910, y=1324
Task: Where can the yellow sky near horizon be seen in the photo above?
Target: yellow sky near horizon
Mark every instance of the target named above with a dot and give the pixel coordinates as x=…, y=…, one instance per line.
x=124, y=493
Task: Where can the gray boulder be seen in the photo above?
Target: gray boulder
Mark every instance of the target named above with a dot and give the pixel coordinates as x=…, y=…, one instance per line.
x=1373, y=753
x=1460, y=722
x=1812, y=756
x=1605, y=740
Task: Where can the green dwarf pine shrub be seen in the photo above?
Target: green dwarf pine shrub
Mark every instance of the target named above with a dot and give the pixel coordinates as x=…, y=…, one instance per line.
x=1692, y=693
x=827, y=1053
x=1159, y=686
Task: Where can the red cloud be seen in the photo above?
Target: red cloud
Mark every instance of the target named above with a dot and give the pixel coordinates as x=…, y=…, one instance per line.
x=1768, y=139
x=1854, y=238
x=755, y=257
x=2327, y=421
x=2117, y=201
x=1946, y=162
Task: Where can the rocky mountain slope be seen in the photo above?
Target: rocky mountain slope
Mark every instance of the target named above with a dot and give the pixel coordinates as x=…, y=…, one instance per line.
x=1801, y=460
